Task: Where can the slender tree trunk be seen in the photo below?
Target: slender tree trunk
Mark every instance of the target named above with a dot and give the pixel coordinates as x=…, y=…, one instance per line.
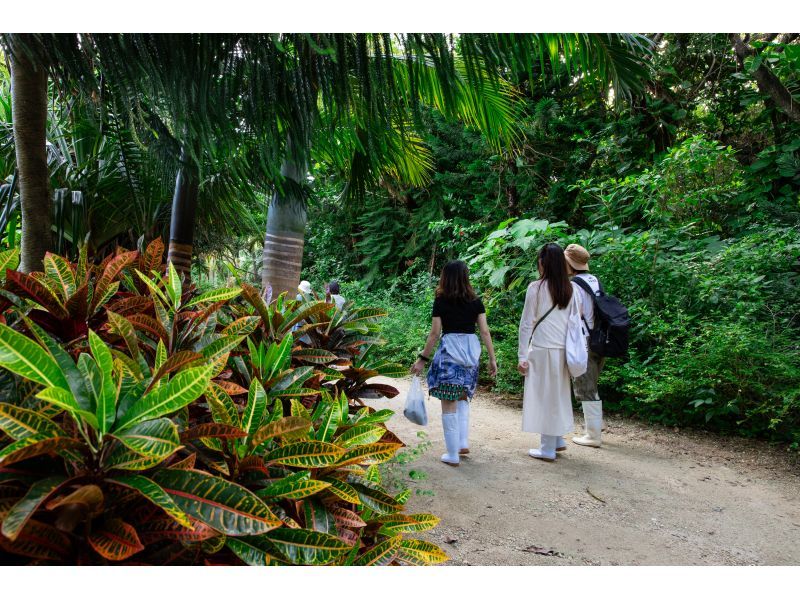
x=286, y=228
x=181, y=229
x=29, y=114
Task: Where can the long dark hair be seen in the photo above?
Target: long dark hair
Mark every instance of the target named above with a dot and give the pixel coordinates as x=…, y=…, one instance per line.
x=454, y=282
x=554, y=272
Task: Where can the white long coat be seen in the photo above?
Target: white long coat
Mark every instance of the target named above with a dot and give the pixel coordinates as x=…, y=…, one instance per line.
x=547, y=402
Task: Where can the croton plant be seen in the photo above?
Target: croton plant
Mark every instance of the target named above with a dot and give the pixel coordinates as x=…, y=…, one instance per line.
x=144, y=422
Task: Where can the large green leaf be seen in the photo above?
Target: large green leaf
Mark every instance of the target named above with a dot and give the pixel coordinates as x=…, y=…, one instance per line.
x=401, y=523
x=63, y=398
x=382, y=553
x=152, y=438
x=343, y=490
x=58, y=270
x=294, y=487
x=9, y=260
x=223, y=409
x=214, y=295
x=256, y=406
x=307, y=547
x=376, y=500
x=420, y=552
x=283, y=426
x=371, y=453
x=155, y=494
x=306, y=454
x=107, y=393
x=222, y=505
x=221, y=346
x=182, y=390
x=254, y=550
x=21, y=423
x=22, y=356
x=21, y=512
x=360, y=435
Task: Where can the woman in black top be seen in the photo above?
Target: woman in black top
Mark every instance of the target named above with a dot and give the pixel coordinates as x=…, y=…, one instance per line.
x=453, y=372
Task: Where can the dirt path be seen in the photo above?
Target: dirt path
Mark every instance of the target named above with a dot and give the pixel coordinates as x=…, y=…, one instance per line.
x=649, y=496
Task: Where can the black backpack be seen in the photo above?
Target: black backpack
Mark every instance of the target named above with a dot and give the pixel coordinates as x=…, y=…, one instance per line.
x=609, y=337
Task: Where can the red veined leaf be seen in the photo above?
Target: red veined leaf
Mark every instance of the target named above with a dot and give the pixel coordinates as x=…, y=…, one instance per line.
x=116, y=541
x=385, y=389
x=320, y=356
x=347, y=535
x=346, y=517
x=253, y=463
x=155, y=494
x=168, y=529
x=39, y=541
x=174, y=363
x=78, y=304
x=391, y=438
x=225, y=506
x=253, y=297
x=149, y=326
x=286, y=425
x=212, y=430
x=187, y=463
x=16, y=518
x=231, y=388
x=25, y=285
x=110, y=273
x=34, y=446
x=152, y=256
x=131, y=305
x=122, y=327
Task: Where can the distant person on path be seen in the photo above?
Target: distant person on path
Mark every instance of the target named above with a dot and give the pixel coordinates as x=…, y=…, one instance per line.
x=333, y=289
x=305, y=289
x=547, y=402
x=453, y=373
x=585, y=386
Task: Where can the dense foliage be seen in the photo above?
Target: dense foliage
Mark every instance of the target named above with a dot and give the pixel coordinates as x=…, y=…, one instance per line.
x=144, y=422
x=687, y=198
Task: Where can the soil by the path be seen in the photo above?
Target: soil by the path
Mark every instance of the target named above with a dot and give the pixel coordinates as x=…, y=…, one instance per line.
x=649, y=496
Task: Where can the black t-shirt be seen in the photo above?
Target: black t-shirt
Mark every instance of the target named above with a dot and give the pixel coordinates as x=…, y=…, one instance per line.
x=457, y=316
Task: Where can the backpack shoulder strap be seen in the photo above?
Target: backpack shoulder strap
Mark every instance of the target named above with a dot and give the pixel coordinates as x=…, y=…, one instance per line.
x=547, y=313
x=585, y=286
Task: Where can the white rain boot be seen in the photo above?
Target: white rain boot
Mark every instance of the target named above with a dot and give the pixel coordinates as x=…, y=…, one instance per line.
x=547, y=449
x=593, y=416
x=463, y=427
x=450, y=427
x=561, y=444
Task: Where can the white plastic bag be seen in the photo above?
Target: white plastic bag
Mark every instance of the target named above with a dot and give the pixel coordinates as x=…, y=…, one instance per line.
x=577, y=352
x=415, y=403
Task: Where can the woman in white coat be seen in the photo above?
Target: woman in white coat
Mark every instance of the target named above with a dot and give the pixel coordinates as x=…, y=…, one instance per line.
x=547, y=404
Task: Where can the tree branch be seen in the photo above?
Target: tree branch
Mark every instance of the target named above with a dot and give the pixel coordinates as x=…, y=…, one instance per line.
x=767, y=82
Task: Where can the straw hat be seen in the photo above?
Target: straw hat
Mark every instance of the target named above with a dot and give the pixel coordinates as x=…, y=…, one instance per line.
x=577, y=257
x=304, y=287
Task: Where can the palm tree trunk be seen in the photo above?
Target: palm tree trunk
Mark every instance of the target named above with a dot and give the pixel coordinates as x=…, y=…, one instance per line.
x=29, y=114
x=286, y=228
x=181, y=228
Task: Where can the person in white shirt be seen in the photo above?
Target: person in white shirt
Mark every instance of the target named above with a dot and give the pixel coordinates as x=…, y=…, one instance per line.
x=333, y=289
x=585, y=386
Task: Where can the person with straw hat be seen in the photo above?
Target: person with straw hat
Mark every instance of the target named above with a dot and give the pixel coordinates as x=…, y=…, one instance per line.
x=585, y=386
